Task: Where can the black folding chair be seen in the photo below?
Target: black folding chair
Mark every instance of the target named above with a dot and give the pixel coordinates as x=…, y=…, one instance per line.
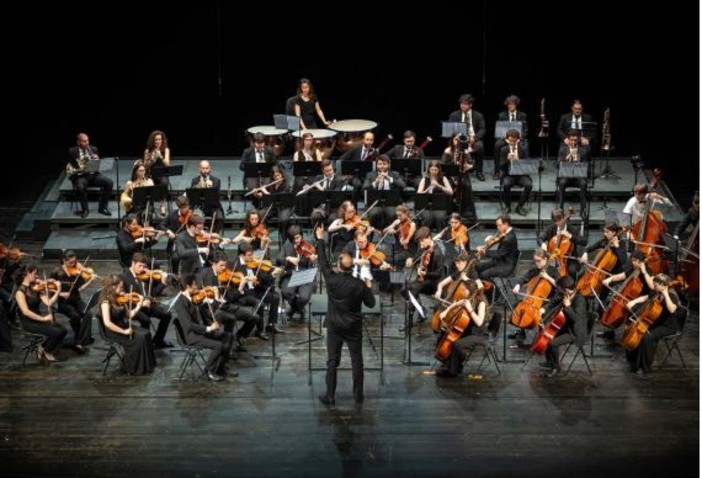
x=192, y=352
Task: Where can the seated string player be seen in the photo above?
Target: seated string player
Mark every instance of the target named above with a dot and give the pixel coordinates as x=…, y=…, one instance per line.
x=429, y=264
x=573, y=151
x=404, y=229
x=513, y=151
x=296, y=255
x=500, y=263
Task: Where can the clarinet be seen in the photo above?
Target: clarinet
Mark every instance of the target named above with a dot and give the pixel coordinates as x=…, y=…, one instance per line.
x=229, y=195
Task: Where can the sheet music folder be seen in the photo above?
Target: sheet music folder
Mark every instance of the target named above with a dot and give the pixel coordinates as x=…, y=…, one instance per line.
x=524, y=167
x=448, y=128
x=501, y=128
x=306, y=276
x=567, y=169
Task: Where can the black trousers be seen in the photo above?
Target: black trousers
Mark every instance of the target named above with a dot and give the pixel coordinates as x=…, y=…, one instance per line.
x=228, y=313
x=581, y=183
x=272, y=299
x=157, y=311
x=80, y=323
x=478, y=155
x=81, y=183
x=219, y=342
x=354, y=342
x=563, y=337
x=489, y=268
x=508, y=182
x=54, y=332
x=5, y=335
x=427, y=287
x=298, y=297
x=381, y=217
x=467, y=205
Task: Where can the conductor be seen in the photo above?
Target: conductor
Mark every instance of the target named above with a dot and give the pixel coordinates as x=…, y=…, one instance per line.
x=343, y=318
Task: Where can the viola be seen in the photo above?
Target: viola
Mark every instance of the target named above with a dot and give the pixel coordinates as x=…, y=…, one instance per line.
x=257, y=232
x=43, y=285
x=155, y=275
x=526, y=313
x=199, y=296
x=491, y=242
x=425, y=261
x=305, y=249
x=560, y=247
x=147, y=231
x=11, y=253
x=405, y=231
x=460, y=236
x=131, y=299
x=357, y=222
x=205, y=237
x=264, y=266
x=373, y=254
x=229, y=277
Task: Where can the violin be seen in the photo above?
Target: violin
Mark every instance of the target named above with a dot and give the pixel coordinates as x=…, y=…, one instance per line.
x=257, y=232
x=199, y=296
x=264, y=266
x=229, y=277
x=305, y=249
x=155, y=275
x=460, y=236
x=405, y=231
x=205, y=237
x=42, y=285
x=131, y=299
x=12, y=253
x=491, y=242
x=559, y=247
x=374, y=255
x=184, y=218
x=357, y=222
x=147, y=231
x=426, y=260
x=85, y=272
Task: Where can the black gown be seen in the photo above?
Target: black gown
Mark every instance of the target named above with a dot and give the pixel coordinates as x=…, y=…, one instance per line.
x=139, y=357
x=308, y=111
x=54, y=332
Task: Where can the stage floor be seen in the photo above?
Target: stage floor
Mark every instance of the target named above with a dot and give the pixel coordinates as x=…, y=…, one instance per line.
x=67, y=419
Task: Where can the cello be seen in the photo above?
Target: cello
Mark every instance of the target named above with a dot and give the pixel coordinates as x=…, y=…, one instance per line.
x=602, y=265
x=560, y=247
x=615, y=314
x=526, y=313
x=550, y=330
x=456, y=323
x=649, y=232
x=690, y=263
x=647, y=315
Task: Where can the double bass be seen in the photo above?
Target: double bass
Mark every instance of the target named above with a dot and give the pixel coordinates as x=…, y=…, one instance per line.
x=649, y=232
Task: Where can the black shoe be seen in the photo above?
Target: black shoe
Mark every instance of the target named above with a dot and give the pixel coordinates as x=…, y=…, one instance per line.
x=164, y=344
x=521, y=211
x=507, y=209
x=496, y=176
x=84, y=213
x=480, y=176
x=213, y=377
x=546, y=365
x=262, y=335
x=359, y=398
x=224, y=371
x=444, y=372
x=89, y=341
x=326, y=400
x=240, y=345
x=274, y=329
x=519, y=335
x=104, y=211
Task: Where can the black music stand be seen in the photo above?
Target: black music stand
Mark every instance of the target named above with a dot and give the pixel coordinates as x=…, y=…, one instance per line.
x=331, y=198
x=356, y=168
x=385, y=197
x=408, y=167
x=432, y=202
x=168, y=171
x=408, y=326
x=306, y=169
x=567, y=169
x=501, y=128
x=450, y=170
x=141, y=196
x=207, y=199
x=449, y=128
x=258, y=170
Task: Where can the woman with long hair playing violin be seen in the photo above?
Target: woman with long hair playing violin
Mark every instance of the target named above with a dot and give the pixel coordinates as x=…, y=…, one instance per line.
x=668, y=322
x=29, y=295
x=468, y=299
x=403, y=228
x=295, y=255
x=254, y=231
x=117, y=310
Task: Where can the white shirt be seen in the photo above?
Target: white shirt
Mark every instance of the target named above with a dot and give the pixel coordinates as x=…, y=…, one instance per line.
x=249, y=273
x=260, y=158
x=636, y=209
x=576, y=122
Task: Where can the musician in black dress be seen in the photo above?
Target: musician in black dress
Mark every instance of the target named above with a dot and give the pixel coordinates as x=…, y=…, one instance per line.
x=197, y=332
x=344, y=321
x=70, y=302
x=430, y=265
x=139, y=357
x=307, y=106
x=574, y=120
x=29, y=297
x=296, y=255
x=382, y=179
x=610, y=239
x=669, y=322
x=573, y=151
x=512, y=113
x=513, y=151
x=500, y=263
x=576, y=329
x=258, y=153
x=475, y=124
x=567, y=230
x=404, y=229
x=77, y=171
x=157, y=157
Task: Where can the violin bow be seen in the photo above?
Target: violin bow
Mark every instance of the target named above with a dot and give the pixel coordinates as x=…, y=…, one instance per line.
x=78, y=275
x=209, y=239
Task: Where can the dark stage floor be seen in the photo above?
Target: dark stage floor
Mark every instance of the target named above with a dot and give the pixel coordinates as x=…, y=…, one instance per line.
x=67, y=419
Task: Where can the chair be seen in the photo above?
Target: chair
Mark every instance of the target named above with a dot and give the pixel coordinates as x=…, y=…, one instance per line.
x=191, y=351
x=487, y=342
x=113, y=348
x=671, y=344
x=35, y=340
x=592, y=319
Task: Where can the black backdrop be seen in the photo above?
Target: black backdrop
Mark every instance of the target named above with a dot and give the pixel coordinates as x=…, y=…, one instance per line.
x=120, y=70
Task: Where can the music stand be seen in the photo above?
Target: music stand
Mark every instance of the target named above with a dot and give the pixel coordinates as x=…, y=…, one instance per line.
x=288, y=122
x=258, y=170
x=306, y=168
x=141, y=196
x=524, y=167
x=432, y=202
x=206, y=199
x=448, y=128
x=408, y=166
x=408, y=327
x=385, y=197
x=588, y=129
x=501, y=128
x=450, y=170
x=176, y=170
x=356, y=168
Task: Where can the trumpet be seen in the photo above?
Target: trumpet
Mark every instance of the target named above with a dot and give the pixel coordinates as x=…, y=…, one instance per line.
x=204, y=182
x=573, y=153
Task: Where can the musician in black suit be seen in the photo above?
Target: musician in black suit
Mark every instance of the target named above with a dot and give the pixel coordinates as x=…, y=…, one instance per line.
x=149, y=308
x=258, y=153
x=365, y=152
x=206, y=180
x=196, y=332
x=500, y=263
x=513, y=151
x=383, y=179
x=296, y=255
x=512, y=113
x=430, y=265
x=567, y=231
x=327, y=181
x=407, y=150
x=573, y=120
x=576, y=328
x=346, y=295
x=189, y=255
x=475, y=123
x=573, y=151
x=127, y=244
x=76, y=170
